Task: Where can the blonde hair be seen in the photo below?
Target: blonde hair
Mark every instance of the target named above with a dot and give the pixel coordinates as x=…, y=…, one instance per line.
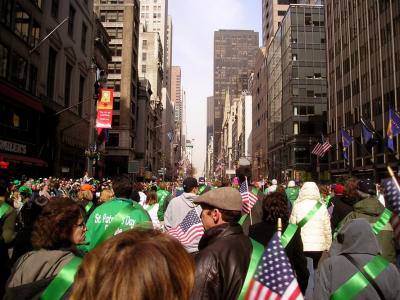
x=106, y=195
x=121, y=268
x=85, y=195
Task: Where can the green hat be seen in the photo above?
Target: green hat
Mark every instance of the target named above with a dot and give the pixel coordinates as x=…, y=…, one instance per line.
x=25, y=190
x=16, y=182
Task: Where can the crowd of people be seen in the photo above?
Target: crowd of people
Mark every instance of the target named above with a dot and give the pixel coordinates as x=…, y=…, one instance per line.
x=114, y=237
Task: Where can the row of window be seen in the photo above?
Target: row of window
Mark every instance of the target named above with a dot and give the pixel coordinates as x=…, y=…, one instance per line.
x=68, y=84
x=21, y=74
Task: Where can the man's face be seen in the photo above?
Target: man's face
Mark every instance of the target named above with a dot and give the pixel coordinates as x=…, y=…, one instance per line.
x=209, y=218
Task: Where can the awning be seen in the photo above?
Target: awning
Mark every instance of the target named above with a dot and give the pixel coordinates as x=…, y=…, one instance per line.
x=20, y=159
x=21, y=97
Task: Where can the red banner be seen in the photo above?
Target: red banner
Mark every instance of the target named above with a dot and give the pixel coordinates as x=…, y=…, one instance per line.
x=104, y=109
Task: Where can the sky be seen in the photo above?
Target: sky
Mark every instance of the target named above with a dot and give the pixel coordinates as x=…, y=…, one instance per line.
x=194, y=23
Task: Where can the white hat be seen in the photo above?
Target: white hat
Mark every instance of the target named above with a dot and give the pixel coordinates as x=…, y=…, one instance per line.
x=291, y=183
x=274, y=181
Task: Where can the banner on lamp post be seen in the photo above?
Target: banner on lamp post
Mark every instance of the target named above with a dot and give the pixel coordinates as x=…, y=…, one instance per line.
x=104, y=109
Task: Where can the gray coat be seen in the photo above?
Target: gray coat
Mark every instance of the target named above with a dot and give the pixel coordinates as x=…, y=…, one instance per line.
x=177, y=210
x=360, y=242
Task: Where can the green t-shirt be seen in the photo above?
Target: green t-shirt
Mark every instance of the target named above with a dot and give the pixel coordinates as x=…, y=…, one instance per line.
x=162, y=197
x=102, y=216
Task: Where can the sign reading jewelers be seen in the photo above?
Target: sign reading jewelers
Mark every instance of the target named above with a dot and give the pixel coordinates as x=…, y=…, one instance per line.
x=12, y=147
x=104, y=109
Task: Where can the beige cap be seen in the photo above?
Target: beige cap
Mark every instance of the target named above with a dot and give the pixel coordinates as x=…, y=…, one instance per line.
x=224, y=198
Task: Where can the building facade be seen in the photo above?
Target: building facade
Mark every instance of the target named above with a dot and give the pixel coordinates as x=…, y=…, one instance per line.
x=46, y=89
x=297, y=97
x=234, y=58
x=259, y=116
x=273, y=12
x=363, y=50
x=121, y=20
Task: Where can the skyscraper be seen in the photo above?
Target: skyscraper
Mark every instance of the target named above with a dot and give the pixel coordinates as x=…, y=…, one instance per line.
x=234, y=59
x=273, y=12
x=122, y=24
x=363, y=41
x=154, y=17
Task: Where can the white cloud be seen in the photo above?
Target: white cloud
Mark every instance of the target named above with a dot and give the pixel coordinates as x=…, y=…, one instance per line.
x=194, y=23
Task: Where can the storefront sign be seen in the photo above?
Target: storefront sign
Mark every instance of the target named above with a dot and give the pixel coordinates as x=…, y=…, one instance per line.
x=104, y=109
x=12, y=147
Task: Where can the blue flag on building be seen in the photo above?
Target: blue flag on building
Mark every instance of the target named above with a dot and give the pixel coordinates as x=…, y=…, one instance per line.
x=367, y=131
x=393, y=128
x=347, y=140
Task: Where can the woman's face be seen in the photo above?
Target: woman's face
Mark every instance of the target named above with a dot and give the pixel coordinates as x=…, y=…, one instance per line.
x=78, y=232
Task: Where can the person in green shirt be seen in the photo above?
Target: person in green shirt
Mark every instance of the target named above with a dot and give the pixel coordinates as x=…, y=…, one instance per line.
x=292, y=192
x=132, y=215
x=163, y=197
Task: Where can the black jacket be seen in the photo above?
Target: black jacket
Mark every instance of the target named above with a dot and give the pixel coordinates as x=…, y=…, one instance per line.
x=222, y=263
x=263, y=232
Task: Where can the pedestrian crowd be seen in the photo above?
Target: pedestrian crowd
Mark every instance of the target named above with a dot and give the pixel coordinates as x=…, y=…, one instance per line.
x=119, y=239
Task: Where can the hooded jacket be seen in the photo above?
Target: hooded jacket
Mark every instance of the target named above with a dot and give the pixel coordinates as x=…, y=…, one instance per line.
x=222, y=263
x=34, y=271
x=359, y=242
x=370, y=209
x=177, y=210
x=316, y=233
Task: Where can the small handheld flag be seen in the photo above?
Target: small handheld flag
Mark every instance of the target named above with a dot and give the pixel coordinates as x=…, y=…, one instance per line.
x=248, y=198
x=274, y=277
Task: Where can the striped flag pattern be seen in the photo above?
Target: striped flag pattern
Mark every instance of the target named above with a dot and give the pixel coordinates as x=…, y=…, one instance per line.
x=321, y=148
x=392, y=199
x=189, y=229
x=248, y=198
x=274, y=277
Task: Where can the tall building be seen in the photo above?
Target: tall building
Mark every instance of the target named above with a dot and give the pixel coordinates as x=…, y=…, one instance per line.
x=234, y=58
x=259, y=93
x=273, y=12
x=296, y=98
x=45, y=89
x=176, y=100
x=154, y=17
x=168, y=56
x=121, y=20
x=210, y=118
x=363, y=50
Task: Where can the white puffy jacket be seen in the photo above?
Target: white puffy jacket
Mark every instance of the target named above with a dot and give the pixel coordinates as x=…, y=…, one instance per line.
x=316, y=233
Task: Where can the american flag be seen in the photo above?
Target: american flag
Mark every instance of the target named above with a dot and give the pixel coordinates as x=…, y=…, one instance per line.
x=189, y=229
x=392, y=199
x=274, y=277
x=321, y=148
x=248, y=198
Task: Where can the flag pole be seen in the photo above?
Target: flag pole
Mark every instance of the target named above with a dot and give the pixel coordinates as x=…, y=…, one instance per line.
x=391, y=173
x=279, y=228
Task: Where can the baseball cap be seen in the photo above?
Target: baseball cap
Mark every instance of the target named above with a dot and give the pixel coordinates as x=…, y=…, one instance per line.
x=223, y=198
x=189, y=183
x=202, y=180
x=291, y=183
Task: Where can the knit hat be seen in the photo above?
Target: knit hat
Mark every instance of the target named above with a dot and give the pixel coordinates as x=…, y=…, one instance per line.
x=274, y=181
x=338, y=189
x=87, y=187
